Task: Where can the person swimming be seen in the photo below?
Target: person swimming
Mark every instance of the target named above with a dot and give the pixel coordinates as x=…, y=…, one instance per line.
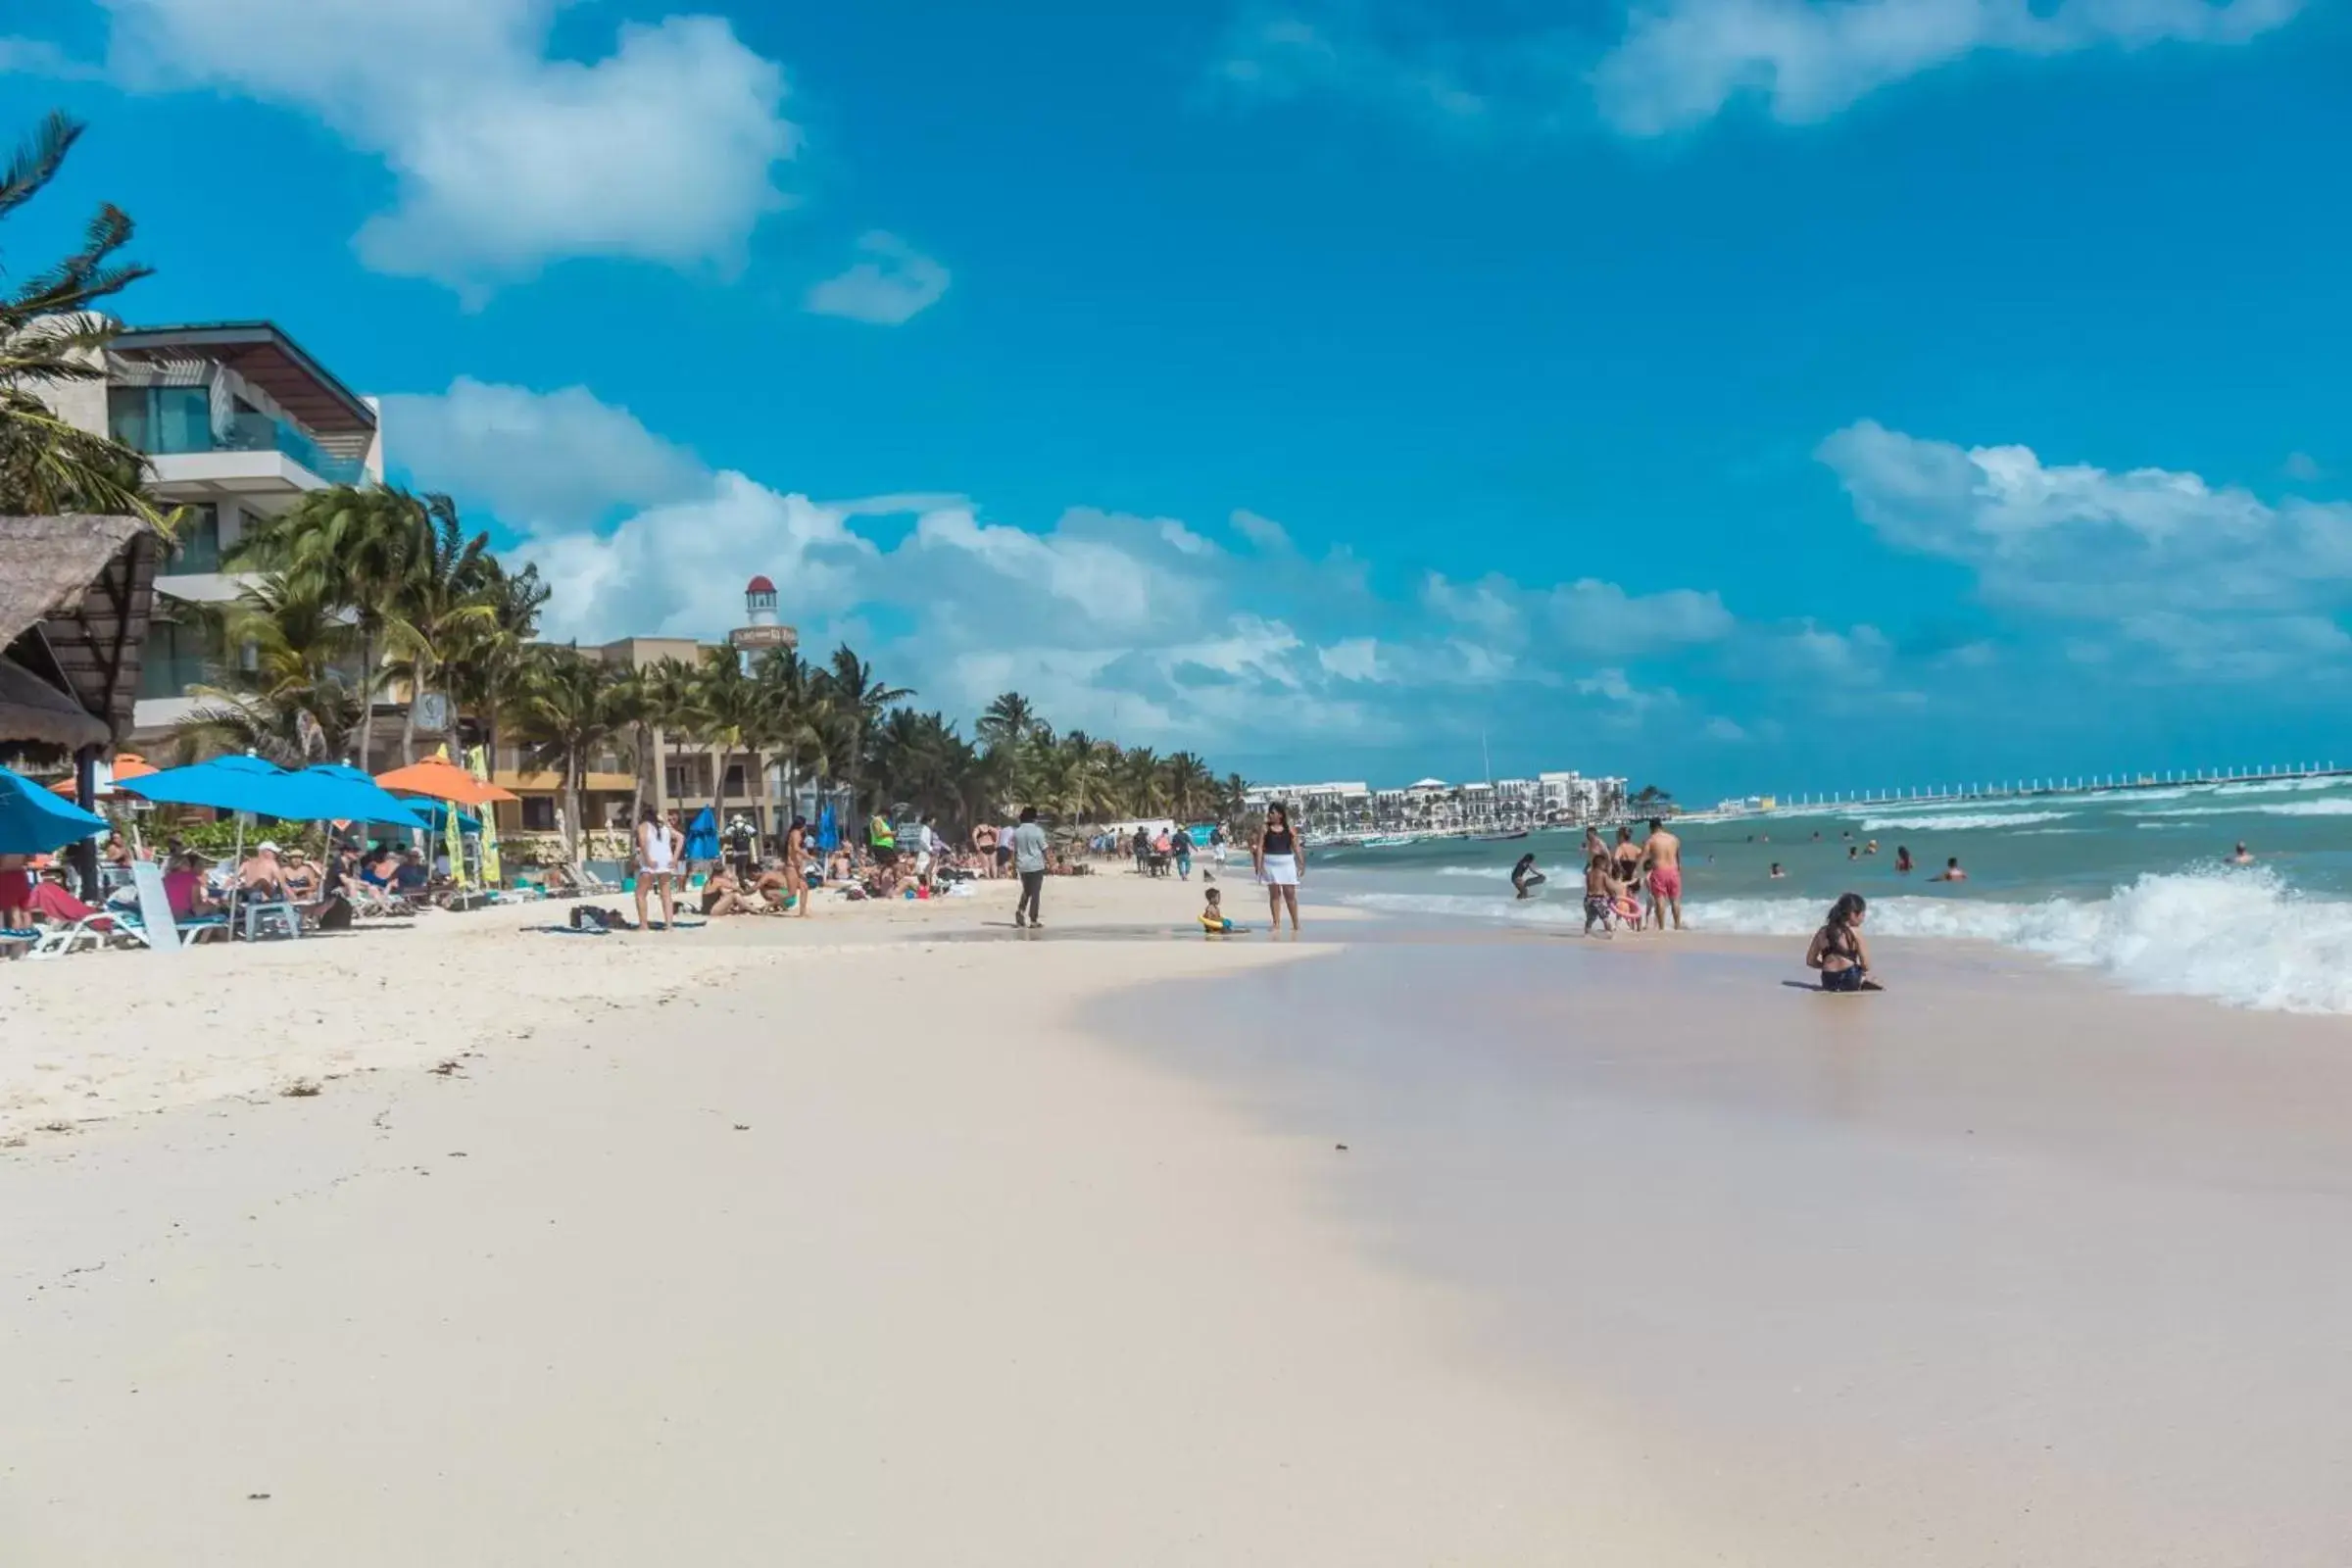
x=1951, y=872
x=1525, y=878
x=2242, y=855
x=1902, y=858
x=1776, y=872
x=1837, y=949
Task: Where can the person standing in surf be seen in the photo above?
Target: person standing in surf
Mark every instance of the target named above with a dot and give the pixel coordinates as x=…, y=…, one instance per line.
x=1281, y=859
x=1663, y=855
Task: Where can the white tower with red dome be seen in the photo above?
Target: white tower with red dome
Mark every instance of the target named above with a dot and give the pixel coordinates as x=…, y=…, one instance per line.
x=759, y=602
x=760, y=628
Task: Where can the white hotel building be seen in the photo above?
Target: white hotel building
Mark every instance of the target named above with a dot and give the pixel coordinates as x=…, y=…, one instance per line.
x=1355, y=810
x=236, y=420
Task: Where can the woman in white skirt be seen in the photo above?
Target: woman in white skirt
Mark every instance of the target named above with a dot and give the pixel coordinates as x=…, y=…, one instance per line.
x=1280, y=858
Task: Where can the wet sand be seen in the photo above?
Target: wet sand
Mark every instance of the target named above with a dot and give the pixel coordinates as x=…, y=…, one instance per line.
x=1999, y=1266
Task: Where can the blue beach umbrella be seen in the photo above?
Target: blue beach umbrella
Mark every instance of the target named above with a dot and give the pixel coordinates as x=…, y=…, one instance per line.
x=325, y=794
x=828, y=835
x=34, y=821
x=702, y=838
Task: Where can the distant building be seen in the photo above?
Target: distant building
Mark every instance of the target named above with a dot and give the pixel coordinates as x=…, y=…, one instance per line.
x=1433, y=805
x=687, y=777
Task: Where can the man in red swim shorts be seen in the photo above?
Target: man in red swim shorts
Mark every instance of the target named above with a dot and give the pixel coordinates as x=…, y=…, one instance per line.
x=1662, y=853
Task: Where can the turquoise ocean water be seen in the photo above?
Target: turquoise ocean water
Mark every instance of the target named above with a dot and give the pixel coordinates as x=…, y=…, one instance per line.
x=2134, y=883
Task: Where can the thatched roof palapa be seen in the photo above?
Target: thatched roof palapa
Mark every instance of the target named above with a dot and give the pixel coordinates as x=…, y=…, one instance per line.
x=76, y=591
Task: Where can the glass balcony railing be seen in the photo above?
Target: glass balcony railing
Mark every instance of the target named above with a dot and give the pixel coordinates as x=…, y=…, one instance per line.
x=171, y=421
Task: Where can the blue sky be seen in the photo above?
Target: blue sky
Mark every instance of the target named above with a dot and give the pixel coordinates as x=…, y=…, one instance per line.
x=1739, y=393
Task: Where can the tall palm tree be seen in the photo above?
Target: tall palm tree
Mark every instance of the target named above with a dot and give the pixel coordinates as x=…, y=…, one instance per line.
x=351, y=547
x=285, y=697
x=486, y=666
x=50, y=334
x=1188, y=782
x=859, y=698
x=564, y=711
x=1007, y=721
x=793, y=716
x=439, y=605
x=728, y=703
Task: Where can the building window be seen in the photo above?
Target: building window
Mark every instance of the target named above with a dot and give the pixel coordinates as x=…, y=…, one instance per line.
x=161, y=419
x=539, y=813
x=196, y=542
x=178, y=655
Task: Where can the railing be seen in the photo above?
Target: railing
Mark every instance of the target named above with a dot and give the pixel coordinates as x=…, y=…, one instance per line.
x=253, y=432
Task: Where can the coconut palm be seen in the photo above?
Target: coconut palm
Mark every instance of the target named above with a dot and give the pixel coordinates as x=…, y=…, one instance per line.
x=51, y=334
x=730, y=717
x=564, y=711
x=793, y=716
x=1007, y=721
x=286, y=696
x=484, y=670
x=351, y=547
x=857, y=698
x=440, y=605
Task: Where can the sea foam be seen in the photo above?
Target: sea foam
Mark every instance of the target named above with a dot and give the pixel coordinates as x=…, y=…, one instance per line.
x=2240, y=937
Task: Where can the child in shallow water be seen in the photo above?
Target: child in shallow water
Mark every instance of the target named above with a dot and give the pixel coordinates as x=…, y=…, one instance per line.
x=1212, y=915
x=1600, y=892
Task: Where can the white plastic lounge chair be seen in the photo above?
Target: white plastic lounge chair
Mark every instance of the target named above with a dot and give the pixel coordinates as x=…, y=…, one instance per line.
x=157, y=926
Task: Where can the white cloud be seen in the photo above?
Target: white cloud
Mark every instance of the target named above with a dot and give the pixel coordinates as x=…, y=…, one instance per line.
x=1587, y=616
x=505, y=157
x=1263, y=532
x=1342, y=48
x=1723, y=729
x=1679, y=62
x=892, y=284
x=2208, y=579
x=1683, y=62
x=2075, y=540
x=545, y=457
x=1351, y=659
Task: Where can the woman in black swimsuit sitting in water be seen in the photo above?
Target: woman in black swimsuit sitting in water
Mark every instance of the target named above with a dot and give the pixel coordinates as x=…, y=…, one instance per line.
x=1525, y=878
x=1838, y=948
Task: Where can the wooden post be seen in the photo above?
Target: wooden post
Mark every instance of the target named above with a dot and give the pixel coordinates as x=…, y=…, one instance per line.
x=85, y=796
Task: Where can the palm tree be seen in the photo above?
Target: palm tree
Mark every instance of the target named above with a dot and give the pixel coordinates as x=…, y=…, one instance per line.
x=1189, y=784
x=859, y=698
x=564, y=710
x=793, y=716
x=438, y=606
x=492, y=652
x=1007, y=721
x=728, y=703
x=1138, y=781
x=352, y=548
x=285, y=697
x=50, y=334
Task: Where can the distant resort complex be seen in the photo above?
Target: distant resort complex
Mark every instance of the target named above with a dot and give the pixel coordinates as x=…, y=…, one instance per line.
x=1354, y=813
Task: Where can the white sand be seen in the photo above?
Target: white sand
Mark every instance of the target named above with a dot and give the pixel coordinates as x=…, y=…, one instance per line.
x=814, y=1257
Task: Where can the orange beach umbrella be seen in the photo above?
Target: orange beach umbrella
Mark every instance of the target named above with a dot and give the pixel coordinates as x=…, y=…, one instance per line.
x=128, y=765
x=443, y=780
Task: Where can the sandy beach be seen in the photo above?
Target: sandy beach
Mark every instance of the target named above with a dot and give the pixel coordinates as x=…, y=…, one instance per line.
x=893, y=1238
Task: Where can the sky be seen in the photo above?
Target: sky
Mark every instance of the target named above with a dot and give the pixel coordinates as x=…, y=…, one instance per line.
x=1738, y=395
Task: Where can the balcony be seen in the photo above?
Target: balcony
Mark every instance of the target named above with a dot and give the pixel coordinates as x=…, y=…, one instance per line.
x=175, y=422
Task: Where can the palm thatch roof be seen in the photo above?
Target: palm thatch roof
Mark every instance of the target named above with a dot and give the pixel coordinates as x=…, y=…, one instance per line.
x=76, y=591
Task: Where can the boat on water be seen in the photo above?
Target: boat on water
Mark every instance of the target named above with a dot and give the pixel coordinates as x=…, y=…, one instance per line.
x=1499, y=838
x=1386, y=841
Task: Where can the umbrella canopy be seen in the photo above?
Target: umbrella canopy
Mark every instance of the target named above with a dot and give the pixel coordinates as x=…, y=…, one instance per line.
x=443, y=780
x=370, y=799
x=128, y=764
x=34, y=821
x=326, y=794
x=702, y=837
x=828, y=837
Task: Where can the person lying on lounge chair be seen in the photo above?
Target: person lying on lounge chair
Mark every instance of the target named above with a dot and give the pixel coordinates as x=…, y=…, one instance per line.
x=185, y=892
x=55, y=904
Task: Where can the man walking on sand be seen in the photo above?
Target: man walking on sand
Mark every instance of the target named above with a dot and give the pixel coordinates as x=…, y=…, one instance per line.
x=1662, y=854
x=1029, y=860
